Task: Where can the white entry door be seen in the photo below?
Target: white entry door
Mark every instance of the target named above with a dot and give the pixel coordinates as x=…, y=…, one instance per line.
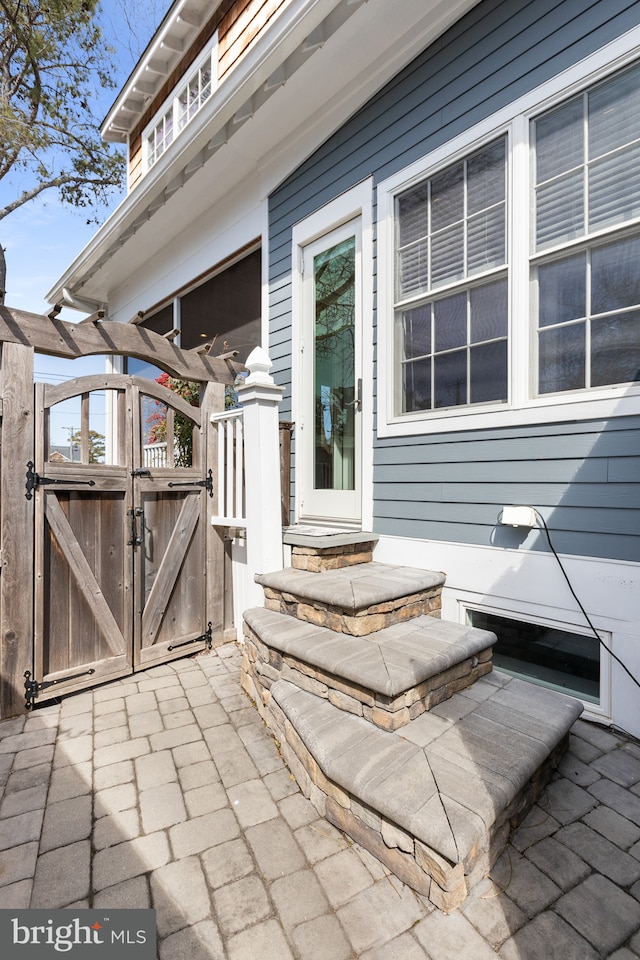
x=331, y=381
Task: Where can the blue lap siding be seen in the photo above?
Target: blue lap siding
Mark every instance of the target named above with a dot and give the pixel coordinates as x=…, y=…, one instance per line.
x=584, y=477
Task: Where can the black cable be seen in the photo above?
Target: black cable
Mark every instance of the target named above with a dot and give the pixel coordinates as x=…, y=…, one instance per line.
x=576, y=598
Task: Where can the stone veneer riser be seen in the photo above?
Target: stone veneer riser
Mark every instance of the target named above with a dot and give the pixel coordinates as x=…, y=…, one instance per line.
x=360, y=623
x=267, y=666
x=315, y=560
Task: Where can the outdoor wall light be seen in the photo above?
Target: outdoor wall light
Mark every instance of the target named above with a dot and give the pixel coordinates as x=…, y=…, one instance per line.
x=518, y=517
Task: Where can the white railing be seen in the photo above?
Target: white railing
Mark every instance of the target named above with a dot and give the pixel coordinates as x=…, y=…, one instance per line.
x=155, y=454
x=231, y=500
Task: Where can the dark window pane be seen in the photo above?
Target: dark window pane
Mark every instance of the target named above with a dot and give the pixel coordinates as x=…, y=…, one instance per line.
x=545, y=655
x=486, y=177
x=489, y=372
x=615, y=349
x=559, y=140
x=489, y=311
x=450, y=322
x=413, y=215
x=417, y=386
x=447, y=256
x=451, y=379
x=226, y=307
x=416, y=328
x=161, y=321
x=562, y=358
x=413, y=269
x=447, y=197
x=614, y=113
x=562, y=290
x=615, y=277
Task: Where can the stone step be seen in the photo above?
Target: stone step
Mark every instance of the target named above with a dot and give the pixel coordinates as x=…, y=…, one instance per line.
x=389, y=677
x=323, y=548
x=357, y=600
x=435, y=801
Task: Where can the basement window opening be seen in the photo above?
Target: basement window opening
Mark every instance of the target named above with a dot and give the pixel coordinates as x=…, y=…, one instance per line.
x=544, y=654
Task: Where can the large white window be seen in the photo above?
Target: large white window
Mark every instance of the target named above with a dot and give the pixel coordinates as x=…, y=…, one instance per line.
x=451, y=290
x=509, y=265
x=586, y=183
x=181, y=108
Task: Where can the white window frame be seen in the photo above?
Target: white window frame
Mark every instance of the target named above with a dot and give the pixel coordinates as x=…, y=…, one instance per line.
x=523, y=405
x=172, y=103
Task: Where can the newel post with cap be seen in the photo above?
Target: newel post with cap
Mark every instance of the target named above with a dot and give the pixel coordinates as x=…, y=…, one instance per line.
x=260, y=396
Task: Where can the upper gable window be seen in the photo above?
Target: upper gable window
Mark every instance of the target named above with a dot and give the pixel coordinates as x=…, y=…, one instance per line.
x=196, y=92
x=192, y=93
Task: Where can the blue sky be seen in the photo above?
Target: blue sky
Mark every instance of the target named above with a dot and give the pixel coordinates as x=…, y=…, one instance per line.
x=44, y=236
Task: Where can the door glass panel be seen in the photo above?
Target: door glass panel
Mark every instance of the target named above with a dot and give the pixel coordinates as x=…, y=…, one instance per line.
x=334, y=367
x=76, y=431
x=168, y=435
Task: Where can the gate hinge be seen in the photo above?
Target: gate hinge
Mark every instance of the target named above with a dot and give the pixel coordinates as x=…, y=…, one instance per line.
x=34, y=480
x=207, y=637
x=32, y=688
x=207, y=483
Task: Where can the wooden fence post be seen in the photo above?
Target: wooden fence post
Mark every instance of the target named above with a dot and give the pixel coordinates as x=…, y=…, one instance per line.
x=260, y=396
x=16, y=527
x=216, y=576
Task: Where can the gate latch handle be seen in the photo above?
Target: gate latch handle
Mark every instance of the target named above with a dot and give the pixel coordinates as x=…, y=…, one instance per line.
x=135, y=538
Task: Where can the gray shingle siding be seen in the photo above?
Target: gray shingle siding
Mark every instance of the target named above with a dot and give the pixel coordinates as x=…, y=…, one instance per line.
x=583, y=477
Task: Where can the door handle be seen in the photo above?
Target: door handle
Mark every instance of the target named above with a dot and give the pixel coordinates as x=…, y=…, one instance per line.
x=356, y=403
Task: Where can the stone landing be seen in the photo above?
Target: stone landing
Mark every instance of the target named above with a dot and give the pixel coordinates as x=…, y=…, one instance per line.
x=316, y=549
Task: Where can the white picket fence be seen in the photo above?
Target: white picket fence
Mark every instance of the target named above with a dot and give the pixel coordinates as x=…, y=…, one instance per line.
x=230, y=478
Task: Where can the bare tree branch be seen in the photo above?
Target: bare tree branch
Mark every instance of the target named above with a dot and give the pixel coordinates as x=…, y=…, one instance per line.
x=53, y=64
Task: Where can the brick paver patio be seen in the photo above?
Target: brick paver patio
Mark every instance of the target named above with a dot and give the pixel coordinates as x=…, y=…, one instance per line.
x=166, y=790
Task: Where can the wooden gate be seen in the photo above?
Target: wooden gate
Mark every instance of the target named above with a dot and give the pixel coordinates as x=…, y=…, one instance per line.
x=120, y=547
x=107, y=567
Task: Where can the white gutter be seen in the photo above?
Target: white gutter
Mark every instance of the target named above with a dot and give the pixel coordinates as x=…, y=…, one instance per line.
x=78, y=303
